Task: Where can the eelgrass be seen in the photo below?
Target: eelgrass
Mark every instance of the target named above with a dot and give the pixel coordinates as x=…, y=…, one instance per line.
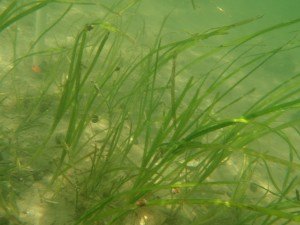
x=165, y=143
x=186, y=134
x=10, y=165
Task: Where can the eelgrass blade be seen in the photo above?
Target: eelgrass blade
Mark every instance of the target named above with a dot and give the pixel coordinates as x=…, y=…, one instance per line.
x=36, y=6
x=5, y=14
x=271, y=158
x=263, y=210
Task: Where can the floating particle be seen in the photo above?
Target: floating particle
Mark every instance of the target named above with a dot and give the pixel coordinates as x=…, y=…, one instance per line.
x=175, y=190
x=141, y=202
x=36, y=69
x=220, y=9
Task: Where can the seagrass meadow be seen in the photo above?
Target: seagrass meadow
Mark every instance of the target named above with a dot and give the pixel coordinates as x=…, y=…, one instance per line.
x=149, y=112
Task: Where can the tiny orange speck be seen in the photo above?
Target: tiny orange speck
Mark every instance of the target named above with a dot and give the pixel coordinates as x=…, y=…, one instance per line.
x=36, y=69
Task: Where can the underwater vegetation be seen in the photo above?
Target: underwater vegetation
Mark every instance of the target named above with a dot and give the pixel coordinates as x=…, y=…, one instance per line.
x=104, y=122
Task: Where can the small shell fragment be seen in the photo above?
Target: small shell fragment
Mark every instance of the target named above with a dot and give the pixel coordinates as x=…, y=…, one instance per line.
x=141, y=202
x=175, y=190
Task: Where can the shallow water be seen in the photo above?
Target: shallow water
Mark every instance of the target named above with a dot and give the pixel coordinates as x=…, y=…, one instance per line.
x=96, y=154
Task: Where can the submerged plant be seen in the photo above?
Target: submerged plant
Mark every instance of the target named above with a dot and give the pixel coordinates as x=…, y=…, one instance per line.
x=165, y=149
x=148, y=138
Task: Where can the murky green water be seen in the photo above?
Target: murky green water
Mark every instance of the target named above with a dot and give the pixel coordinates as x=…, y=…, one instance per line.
x=149, y=112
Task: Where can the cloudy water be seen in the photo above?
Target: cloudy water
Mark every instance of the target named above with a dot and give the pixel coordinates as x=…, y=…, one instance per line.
x=149, y=112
